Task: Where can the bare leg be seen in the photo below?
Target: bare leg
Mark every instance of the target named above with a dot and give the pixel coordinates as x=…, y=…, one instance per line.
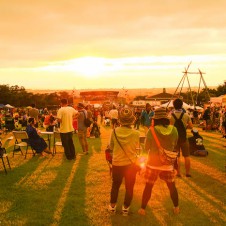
x=187, y=165
x=178, y=168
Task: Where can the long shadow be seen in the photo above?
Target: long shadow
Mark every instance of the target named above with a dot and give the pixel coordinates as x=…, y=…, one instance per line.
x=95, y=144
x=60, y=201
x=73, y=212
x=13, y=192
x=27, y=202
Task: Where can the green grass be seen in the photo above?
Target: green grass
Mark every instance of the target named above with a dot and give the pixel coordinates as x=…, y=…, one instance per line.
x=54, y=191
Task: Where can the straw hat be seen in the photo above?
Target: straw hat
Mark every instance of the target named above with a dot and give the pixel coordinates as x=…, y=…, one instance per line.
x=126, y=116
x=160, y=113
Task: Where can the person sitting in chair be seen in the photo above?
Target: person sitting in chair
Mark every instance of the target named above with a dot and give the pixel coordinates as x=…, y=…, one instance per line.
x=36, y=142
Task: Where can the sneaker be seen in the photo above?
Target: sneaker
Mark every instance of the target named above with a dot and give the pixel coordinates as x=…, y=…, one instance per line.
x=125, y=211
x=112, y=209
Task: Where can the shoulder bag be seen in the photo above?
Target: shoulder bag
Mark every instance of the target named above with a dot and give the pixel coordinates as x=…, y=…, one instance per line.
x=166, y=157
x=138, y=163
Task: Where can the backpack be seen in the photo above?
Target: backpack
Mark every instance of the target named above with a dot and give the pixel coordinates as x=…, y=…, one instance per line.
x=180, y=128
x=87, y=121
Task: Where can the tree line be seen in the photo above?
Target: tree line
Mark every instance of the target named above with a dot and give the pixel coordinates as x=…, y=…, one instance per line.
x=19, y=97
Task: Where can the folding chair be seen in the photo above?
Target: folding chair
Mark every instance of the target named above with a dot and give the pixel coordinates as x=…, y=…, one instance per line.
x=21, y=140
x=3, y=154
x=56, y=141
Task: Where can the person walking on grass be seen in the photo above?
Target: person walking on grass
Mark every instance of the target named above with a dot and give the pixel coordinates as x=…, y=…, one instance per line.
x=123, y=142
x=182, y=121
x=82, y=128
x=113, y=116
x=146, y=116
x=65, y=117
x=167, y=136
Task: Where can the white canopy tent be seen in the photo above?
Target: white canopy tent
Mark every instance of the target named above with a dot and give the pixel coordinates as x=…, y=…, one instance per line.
x=197, y=107
x=170, y=105
x=9, y=106
x=97, y=105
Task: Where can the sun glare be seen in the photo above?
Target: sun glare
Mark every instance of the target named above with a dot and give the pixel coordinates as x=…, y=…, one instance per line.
x=90, y=67
x=87, y=66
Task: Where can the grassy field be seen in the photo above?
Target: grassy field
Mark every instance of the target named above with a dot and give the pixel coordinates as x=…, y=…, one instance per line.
x=54, y=191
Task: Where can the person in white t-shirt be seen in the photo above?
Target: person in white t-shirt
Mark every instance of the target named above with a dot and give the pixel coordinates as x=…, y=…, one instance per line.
x=114, y=116
x=65, y=117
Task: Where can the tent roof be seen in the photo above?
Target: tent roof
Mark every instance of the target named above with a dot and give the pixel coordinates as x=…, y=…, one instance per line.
x=9, y=106
x=170, y=104
x=197, y=107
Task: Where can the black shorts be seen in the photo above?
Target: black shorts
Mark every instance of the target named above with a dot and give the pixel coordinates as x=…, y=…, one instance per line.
x=184, y=147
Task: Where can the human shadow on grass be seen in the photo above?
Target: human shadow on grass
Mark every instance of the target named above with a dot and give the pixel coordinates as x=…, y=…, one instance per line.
x=73, y=210
x=95, y=144
x=207, y=192
x=15, y=188
x=40, y=194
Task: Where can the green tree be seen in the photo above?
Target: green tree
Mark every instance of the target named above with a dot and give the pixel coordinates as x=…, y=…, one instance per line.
x=67, y=96
x=5, y=94
x=221, y=90
x=52, y=99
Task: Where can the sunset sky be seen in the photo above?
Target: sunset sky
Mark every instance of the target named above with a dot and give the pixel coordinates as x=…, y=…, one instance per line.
x=78, y=44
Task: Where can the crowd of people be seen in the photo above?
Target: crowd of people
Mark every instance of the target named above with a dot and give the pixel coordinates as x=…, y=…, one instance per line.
x=170, y=131
x=163, y=128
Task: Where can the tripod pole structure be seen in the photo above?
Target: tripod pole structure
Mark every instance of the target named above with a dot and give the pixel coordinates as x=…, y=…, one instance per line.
x=181, y=81
x=190, y=91
x=198, y=91
x=204, y=83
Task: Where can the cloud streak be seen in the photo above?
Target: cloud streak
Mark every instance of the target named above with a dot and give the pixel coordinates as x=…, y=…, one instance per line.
x=43, y=33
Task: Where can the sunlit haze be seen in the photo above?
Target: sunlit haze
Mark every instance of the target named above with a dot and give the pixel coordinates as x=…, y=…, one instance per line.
x=111, y=44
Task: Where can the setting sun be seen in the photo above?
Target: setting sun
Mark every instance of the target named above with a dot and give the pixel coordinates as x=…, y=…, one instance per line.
x=110, y=44
x=87, y=66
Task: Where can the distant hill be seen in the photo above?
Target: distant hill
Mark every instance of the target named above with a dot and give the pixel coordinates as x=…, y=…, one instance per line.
x=122, y=92
x=129, y=92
